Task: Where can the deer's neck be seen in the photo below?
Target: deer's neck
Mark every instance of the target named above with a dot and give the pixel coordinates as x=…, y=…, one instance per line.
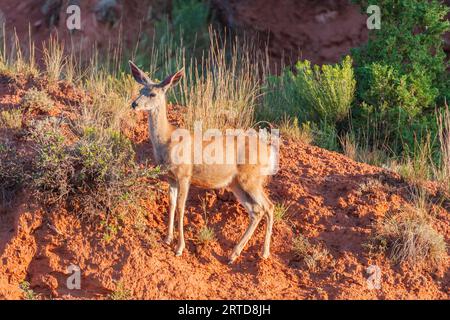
x=159, y=131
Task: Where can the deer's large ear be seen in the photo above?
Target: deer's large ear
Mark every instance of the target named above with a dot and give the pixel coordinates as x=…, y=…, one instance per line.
x=140, y=75
x=172, y=79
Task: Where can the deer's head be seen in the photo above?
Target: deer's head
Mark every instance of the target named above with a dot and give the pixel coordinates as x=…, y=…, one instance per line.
x=153, y=95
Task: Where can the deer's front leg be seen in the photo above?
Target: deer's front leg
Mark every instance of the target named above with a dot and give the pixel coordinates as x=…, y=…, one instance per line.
x=173, y=194
x=183, y=189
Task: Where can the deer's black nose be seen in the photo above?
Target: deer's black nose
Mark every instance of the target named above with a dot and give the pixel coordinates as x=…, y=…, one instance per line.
x=134, y=105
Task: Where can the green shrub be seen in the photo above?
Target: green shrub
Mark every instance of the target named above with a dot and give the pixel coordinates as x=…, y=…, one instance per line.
x=326, y=136
x=401, y=73
x=327, y=91
x=190, y=22
x=314, y=93
x=96, y=174
x=52, y=165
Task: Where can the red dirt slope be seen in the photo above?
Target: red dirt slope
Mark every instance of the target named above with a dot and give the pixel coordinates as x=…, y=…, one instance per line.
x=327, y=205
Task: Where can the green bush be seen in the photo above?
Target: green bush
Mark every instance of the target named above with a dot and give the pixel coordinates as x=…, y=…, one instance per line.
x=94, y=175
x=52, y=164
x=401, y=73
x=312, y=92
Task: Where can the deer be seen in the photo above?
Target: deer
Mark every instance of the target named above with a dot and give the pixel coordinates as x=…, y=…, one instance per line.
x=246, y=181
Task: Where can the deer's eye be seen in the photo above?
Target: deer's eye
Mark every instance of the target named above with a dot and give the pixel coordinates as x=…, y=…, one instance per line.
x=152, y=95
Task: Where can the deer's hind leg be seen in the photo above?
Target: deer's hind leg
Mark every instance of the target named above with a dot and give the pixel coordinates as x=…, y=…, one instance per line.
x=256, y=212
x=269, y=224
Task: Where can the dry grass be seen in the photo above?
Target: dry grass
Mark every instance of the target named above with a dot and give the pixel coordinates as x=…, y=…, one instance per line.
x=206, y=233
x=290, y=128
x=409, y=235
x=220, y=93
x=411, y=238
x=54, y=59
x=314, y=256
x=37, y=100
x=442, y=172
x=13, y=60
x=365, y=154
x=11, y=119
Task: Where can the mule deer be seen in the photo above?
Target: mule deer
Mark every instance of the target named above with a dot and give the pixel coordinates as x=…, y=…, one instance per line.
x=244, y=180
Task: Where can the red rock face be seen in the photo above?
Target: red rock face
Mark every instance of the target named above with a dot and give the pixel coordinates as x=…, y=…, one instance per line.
x=320, y=31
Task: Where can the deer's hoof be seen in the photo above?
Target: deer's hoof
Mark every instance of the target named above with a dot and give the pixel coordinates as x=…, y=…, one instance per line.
x=232, y=258
x=179, y=251
x=265, y=255
x=168, y=240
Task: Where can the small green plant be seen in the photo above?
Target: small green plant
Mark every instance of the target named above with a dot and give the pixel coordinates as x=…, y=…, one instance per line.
x=120, y=293
x=28, y=293
x=280, y=211
x=37, y=100
x=206, y=234
x=314, y=256
x=110, y=230
x=11, y=119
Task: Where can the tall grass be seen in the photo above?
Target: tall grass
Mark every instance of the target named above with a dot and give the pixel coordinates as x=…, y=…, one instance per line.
x=222, y=92
x=54, y=59
x=15, y=57
x=442, y=172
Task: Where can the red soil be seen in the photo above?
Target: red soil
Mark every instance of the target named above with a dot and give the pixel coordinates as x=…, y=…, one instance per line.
x=326, y=206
